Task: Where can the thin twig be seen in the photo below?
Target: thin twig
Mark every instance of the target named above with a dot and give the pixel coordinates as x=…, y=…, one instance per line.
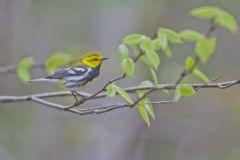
x=144, y=96
x=96, y=110
x=186, y=72
x=162, y=102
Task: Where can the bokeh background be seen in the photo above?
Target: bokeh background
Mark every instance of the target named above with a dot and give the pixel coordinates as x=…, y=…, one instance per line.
x=203, y=127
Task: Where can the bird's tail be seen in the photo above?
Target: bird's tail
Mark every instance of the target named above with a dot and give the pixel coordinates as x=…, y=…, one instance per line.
x=44, y=80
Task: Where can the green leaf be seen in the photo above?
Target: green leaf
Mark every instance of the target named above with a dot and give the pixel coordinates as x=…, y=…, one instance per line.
x=189, y=63
x=186, y=90
x=23, y=69
x=149, y=107
x=190, y=35
x=146, y=104
x=111, y=90
x=154, y=76
x=163, y=39
x=157, y=44
x=56, y=61
x=172, y=36
x=122, y=51
x=147, y=44
x=226, y=20
x=200, y=75
x=153, y=59
x=207, y=12
x=128, y=66
x=143, y=113
x=123, y=94
x=132, y=39
x=220, y=16
x=145, y=60
x=205, y=48
x=183, y=90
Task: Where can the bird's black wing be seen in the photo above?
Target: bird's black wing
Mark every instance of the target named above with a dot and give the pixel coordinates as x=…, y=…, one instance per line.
x=67, y=72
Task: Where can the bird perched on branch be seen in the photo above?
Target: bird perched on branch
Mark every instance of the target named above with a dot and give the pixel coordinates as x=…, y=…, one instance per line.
x=77, y=72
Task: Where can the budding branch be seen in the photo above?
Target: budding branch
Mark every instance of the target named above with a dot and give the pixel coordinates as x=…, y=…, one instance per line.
x=39, y=98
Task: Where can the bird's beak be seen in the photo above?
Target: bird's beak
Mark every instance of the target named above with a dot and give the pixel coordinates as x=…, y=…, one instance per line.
x=104, y=58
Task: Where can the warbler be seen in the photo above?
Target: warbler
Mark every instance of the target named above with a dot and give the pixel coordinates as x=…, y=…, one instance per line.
x=77, y=72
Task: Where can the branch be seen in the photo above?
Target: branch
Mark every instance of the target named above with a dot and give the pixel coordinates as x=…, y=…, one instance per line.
x=221, y=85
x=39, y=98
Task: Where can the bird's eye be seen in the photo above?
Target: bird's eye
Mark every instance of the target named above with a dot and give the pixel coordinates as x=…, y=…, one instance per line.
x=95, y=59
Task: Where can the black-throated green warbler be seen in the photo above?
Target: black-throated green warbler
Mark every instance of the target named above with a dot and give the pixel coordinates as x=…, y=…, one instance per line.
x=78, y=72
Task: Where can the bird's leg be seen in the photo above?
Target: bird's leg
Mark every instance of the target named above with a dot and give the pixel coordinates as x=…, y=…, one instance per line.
x=77, y=102
x=76, y=99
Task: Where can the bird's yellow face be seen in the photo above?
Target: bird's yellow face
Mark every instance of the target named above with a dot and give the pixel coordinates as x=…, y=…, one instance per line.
x=90, y=59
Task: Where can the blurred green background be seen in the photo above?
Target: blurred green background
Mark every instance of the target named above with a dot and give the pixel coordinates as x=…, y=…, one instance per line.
x=203, y=127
